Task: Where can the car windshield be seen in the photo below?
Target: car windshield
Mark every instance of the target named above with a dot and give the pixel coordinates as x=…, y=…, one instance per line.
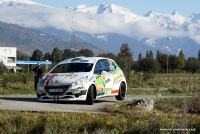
x=72, y=67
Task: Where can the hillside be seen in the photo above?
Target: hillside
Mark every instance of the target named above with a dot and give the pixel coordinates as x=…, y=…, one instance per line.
x=27, y=40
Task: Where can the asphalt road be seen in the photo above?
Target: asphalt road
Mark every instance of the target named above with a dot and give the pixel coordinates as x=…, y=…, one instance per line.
x=30, y=103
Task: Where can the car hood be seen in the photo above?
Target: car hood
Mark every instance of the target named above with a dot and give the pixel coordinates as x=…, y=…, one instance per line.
x=62, y=78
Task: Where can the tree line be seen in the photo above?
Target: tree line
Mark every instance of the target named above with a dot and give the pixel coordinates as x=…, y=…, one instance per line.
x=163, y=63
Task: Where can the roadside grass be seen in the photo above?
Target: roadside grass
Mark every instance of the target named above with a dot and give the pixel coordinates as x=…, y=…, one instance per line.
x=21, y=83
x=17, y=88
x=170, y=115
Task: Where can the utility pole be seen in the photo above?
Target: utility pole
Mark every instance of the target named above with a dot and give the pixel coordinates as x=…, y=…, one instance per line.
x=167, y=54
x=73, y=36
x=28, y=59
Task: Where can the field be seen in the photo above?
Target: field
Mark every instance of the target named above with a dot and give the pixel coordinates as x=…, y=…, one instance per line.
x=170, y=115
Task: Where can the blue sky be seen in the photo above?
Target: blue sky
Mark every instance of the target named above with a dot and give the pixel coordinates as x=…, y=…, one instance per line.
x=139, y=7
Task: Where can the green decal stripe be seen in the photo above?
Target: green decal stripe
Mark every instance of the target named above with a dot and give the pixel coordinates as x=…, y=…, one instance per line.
x=115, y=71
x=100, y=80
x=107, y=89
x=101, y=93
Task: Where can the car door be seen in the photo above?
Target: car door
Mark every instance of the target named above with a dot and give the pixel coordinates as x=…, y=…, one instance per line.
x=116, y=76
x=103, y=78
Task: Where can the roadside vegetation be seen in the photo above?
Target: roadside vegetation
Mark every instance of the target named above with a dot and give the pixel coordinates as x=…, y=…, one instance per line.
x=170, y=115
x=180, y=114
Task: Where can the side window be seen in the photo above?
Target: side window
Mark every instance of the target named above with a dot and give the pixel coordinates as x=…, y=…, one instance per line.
x=112, y=65
x=102, y=65
x=106, y=66
x=98, y=68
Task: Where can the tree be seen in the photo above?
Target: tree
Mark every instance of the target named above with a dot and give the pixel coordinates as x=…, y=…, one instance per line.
x=149, y=65
x=136, y=66
x=150, y=54
x=172, y=62
x=147, y=54
x=139, y=56
x=47, y=56
x=181, y=60
x=108, y=55
x=67, y=53
x=158, y=54
x=21, y=56
x=85, y=52
x=199, y=55
x=162, y=59
x=192, y=64
x=181, y=54
x=55, y=55
x=125, y=60
x=37, y=55
x=3, y=68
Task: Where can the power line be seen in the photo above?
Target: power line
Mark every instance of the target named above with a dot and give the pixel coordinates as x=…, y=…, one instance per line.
x=73, y=36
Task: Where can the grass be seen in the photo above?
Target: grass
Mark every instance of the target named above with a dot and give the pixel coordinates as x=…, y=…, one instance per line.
x=170, y=115
x=167, y=114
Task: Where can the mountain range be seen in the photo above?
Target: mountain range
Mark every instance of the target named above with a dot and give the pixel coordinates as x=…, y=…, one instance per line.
x=108, y=26
x=28, y=40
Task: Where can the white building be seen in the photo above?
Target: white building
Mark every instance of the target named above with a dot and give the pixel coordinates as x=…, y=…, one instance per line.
x=8, y=55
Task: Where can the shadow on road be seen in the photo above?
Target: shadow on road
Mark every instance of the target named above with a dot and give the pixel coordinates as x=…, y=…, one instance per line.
x=32, y=99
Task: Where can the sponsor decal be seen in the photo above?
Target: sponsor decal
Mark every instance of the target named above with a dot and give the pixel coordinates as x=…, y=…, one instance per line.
x=117, y=77
x=106, y=81
x=115, y=91
x=99, y=90
x=100, y=86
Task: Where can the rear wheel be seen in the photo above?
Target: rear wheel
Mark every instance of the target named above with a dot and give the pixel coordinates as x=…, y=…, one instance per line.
x=122, y=92
x=90, y=96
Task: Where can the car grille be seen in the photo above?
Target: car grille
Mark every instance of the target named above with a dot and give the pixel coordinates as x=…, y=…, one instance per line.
x=56, y=90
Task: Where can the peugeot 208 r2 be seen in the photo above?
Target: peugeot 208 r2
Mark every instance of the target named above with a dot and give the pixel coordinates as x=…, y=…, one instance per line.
x=82, y=79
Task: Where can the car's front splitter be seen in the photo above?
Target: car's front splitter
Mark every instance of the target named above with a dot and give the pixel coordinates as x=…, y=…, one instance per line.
x=62, y=98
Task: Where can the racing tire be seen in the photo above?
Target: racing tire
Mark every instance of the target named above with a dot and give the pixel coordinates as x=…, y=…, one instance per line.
x=90, y=96
x=122, y=92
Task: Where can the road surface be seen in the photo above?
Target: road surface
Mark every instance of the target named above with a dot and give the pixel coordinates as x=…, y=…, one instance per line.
x=30, y=103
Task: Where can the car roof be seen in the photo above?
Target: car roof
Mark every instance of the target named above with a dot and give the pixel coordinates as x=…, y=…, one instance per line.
x=83, y=60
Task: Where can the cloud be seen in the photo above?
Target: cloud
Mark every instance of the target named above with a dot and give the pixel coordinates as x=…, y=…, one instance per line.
x=60, y=18
x=152, y=30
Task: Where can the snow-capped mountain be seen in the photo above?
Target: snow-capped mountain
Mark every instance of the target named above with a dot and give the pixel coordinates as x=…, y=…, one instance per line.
x=17, y=2
x=107, y=8
x=108, y=26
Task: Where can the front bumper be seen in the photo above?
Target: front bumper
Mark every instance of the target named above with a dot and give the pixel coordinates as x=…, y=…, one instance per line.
x=67, y=93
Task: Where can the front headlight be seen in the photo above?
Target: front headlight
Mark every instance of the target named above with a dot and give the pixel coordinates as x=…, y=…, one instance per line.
x=80, y=81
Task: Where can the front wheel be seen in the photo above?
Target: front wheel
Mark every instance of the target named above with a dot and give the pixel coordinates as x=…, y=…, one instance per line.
x=122, y=92
x=90, y=96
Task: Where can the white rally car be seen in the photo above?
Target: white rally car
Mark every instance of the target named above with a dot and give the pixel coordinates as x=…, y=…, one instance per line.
x=82, y=79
